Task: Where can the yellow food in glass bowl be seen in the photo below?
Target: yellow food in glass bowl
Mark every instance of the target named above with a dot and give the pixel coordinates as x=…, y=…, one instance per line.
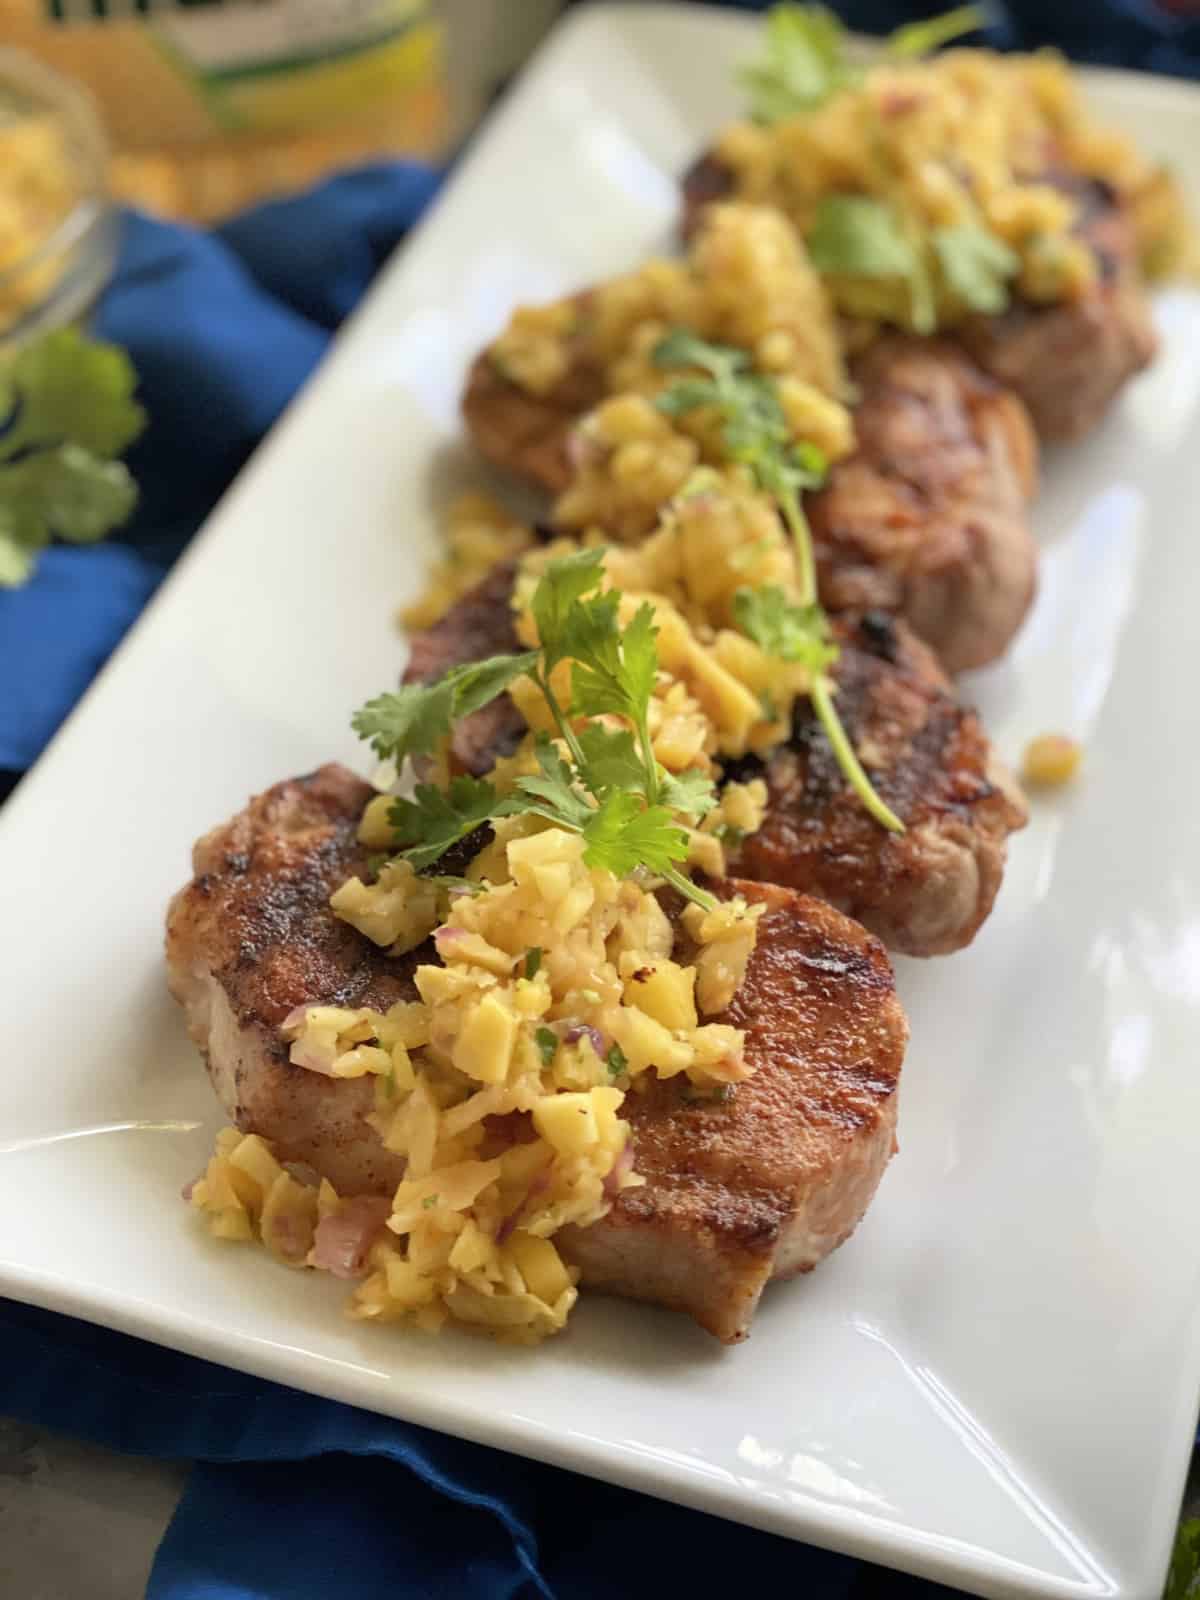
x=57, y=226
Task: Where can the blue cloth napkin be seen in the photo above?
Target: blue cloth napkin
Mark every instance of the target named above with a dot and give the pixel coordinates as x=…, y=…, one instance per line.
x=295, y=1498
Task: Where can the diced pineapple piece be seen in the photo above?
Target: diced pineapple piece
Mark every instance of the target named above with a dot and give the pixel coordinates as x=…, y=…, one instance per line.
x=484, y=1047
x=456, y=945
x=289, y=1216
x=403, y=1075
x=406, y=1023
x=553, y=847
x=425, y=1199
x=437, y=986
x=253, y=1157
x=406, y=1285
x=522, y=1163
x=567, y=1121
x=473, y=1250
x=230, y=1224
x=646, y=1043
x=664, y=991
x=364, y=1058
x=375, y=829
x=540, y=1265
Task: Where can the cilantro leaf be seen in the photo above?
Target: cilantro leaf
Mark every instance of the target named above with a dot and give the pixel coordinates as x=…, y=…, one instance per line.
x=639, y=656
x=613, y=672
x=682, y=348
x=921, y=38
x=975, y=265
x=561, y=586
x=66, y=491
x=1183, y=1579
x=434, y=819
x=616, y=1061
x=856, y=236
x=16, y=557
x=784, y=629
x=551, y=793
x=69, y=388
x=547, y=1043
x=803, y=63
x=412, y=720
x=66, y=408
x=756, y=431
x=621, y=834
x=690, y=792
x=611, y=759
x=860, y=237
x=478, y=683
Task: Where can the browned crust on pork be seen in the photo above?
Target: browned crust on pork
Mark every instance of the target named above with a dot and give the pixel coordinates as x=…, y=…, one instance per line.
x=479, y=624
x=524, y=433
x=251, y=937
x=925, y=891
x=767, y=1184
x=928, y=517
x=1069, y=362
x=769, y=1181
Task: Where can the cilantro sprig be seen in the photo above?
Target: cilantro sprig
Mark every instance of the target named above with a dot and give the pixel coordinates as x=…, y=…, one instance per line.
x=805, y=58
x=858, y=236
x=66, y=413
x=608, y=786
x=755, y=432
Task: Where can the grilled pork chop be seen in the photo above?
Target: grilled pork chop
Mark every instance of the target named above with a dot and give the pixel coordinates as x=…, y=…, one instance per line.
x=928, y=517
x=1067, y=362
x=763, y=1184
x=925, y=892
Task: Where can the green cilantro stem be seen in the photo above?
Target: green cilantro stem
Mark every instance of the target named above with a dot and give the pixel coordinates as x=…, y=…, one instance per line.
x=651, y=760
x=756, y=433
x=566, y=732
x=821, y=691
x=689, y=888
x=806, y=563
x=847, y=759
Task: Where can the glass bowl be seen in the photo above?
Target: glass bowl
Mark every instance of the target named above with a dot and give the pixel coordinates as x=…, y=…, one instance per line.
x=58, y=226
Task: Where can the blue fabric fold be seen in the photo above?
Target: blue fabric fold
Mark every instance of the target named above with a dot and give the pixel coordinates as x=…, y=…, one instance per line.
x=297, y=1498
x=223, y=329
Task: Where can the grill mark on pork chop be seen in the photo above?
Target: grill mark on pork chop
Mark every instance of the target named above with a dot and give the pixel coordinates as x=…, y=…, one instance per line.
x=925, y=891
x=768, y=1181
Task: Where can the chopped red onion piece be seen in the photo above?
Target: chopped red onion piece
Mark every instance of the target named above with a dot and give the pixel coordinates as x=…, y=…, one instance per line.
x=341, y=1242
x=580, y=1030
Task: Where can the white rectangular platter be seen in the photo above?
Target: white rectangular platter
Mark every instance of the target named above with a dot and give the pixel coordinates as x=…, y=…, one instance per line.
x=995, y=1382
